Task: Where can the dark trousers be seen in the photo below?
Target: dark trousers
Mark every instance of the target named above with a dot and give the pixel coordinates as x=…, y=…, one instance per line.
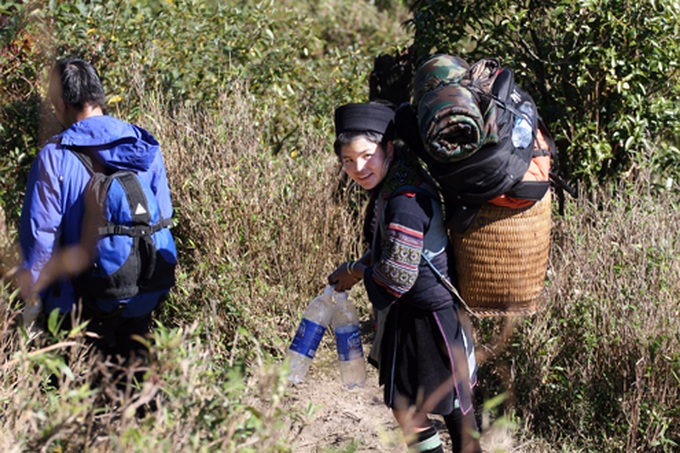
x=116, y=336
x=116, y=341
x=119, y=337
x=462, y=429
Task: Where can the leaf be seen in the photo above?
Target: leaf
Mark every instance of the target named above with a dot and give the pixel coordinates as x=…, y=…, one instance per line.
x=54, y=322
x=496, y=401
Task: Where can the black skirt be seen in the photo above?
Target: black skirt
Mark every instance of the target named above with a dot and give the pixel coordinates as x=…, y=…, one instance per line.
x=427, y=359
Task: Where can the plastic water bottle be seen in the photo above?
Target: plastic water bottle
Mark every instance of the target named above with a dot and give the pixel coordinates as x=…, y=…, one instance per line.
x=309, y=334
x=522, y=131
x=345, y=323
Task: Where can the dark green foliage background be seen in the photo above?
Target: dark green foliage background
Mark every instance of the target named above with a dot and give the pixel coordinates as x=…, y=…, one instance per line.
x=191, y=51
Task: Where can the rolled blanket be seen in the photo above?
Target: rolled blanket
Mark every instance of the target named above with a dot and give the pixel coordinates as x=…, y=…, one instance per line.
x=452, y=125
x=437, y=70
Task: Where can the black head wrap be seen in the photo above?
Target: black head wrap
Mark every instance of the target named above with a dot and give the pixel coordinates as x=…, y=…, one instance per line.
x=363, y=118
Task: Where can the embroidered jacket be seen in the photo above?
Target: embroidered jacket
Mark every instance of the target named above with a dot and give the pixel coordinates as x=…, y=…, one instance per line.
x=395, y=226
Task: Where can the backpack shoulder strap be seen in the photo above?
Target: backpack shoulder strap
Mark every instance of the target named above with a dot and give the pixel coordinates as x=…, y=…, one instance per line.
x=139, y=209
x=555, y=178
x=136, y=198
x=85, y=159
x=90, y=164
x=450, y=286
x=436, y=239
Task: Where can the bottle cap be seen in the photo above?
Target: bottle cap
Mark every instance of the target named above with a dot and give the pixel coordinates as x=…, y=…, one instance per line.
x=328, y=291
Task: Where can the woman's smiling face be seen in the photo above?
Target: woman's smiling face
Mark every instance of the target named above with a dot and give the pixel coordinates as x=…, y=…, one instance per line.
x=366, y=162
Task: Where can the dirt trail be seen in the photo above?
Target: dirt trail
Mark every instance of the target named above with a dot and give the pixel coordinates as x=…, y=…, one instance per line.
x=341, y=420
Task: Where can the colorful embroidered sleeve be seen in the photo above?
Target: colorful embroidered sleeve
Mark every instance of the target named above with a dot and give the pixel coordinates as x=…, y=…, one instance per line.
x=396, y=270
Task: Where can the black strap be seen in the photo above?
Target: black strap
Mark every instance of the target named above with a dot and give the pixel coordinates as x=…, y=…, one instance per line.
x=135, y=231
x=85, y=159
x=447, y=283
x=529, y=190
x=556, y=180
x=139, y=208
x=149, y=258
x=83, y=154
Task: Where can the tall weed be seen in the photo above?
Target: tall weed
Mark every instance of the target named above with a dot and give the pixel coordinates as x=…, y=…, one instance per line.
x=258, y=231
x=193, y=399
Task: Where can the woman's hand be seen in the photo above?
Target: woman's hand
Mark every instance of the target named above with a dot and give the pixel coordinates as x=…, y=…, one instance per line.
x=346, y=275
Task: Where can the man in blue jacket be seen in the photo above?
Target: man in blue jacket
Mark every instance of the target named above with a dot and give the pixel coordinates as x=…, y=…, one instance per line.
x=54, y=204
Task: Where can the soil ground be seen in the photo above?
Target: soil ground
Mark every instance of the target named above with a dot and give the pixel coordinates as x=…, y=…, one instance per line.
x=342, y=420
x=339, y=420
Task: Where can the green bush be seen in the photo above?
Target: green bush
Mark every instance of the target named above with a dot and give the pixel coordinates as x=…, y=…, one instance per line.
x=605, y=74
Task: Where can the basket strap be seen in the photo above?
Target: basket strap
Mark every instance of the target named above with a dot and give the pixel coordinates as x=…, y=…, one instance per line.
x=435, y=240
x=447, y=283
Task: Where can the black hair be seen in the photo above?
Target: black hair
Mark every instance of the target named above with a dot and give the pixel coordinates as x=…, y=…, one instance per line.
x=80, y=83
x=345, y=138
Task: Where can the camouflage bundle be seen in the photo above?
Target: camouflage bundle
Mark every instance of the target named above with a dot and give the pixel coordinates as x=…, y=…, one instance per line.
x=454, y=120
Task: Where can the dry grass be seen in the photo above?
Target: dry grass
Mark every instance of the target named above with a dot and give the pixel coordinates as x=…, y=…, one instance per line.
x=258, y=233
x=600, y=365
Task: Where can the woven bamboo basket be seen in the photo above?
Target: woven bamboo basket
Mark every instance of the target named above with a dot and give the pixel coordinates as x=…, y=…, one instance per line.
x=502, y=258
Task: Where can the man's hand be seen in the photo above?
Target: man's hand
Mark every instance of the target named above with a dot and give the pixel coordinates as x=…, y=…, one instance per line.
x=23, y=280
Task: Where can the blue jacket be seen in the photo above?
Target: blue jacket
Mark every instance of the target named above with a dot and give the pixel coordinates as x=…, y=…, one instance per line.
x=54, y=204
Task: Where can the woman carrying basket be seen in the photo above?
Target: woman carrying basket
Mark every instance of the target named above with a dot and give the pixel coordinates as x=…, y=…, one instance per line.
x=423, y=346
